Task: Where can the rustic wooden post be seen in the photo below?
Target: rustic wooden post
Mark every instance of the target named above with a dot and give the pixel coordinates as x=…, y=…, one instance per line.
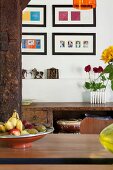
x=10, y=56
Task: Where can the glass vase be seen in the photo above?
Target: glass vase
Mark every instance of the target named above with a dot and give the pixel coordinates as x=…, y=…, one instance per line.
x=98, y=97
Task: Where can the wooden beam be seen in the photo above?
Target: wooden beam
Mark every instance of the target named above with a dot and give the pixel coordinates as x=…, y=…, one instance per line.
x=24, y=3
x=10, y=57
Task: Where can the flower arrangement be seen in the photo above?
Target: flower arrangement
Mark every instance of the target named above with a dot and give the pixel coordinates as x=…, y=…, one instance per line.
x=96, y=80
x=107, y=57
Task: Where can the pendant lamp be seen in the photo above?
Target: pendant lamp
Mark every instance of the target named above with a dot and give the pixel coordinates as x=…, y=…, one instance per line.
x=84, y=4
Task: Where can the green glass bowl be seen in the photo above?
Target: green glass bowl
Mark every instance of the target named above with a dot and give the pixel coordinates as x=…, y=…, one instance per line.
x=106, y=138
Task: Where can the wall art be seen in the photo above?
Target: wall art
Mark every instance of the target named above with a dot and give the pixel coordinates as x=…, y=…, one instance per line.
x=74, y=44
x=34, y=16
x=67, y=16
x=34, y=43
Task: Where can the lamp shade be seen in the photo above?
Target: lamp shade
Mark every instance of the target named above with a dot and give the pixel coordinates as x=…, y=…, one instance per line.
x=84, y=4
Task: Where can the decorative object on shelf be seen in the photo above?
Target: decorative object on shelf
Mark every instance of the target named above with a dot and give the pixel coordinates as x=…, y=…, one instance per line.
x=107, y=57
x=37, y=74
x=96, y=84
x=24, y=73
x=84, y=4
x=67, y=16
x=52, y=73
x=34, y=16
x=27, y=101
x=34, y=43
x=74, y=43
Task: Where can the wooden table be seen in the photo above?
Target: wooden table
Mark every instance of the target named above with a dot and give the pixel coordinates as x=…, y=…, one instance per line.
x=72, y=106
x=43, y=112
x=54, y=151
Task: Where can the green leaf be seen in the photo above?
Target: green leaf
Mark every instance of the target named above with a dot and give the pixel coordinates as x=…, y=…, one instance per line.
x=108, y=69
x=111, y=76
x=103, y=78
x=103, y=86
x=87, y=85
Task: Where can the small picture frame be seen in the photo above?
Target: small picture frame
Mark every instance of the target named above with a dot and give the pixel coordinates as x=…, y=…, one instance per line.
x=67, y=16
x=34, y=44
x=74, y=43
x=34, y=16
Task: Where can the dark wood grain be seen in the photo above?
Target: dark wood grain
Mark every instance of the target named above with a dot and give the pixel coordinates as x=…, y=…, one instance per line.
x=10, y=57
x=54, y=111
x=78, y=106
x=24, y=3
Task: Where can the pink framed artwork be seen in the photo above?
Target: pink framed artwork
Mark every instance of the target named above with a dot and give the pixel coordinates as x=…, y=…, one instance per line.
x=67, y=16
x=63, y=16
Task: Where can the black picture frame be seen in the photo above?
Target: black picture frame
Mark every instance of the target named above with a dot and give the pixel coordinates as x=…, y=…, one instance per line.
x=43, y=16
x=72, y=23
x=35, y=51
x=57, y=39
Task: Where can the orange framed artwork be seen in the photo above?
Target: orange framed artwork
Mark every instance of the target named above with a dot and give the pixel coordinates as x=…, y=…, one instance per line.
x=34, y=43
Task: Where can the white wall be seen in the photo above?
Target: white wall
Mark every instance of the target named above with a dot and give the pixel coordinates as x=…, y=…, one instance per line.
x=69, y=88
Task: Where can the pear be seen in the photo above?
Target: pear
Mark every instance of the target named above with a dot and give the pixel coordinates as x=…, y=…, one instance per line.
x=24, y=132
x=40, y=128
x=2, y=128
x=32, y=131
x=13, y=120
x=19, y=125
x=15, y=114
x=8, y=125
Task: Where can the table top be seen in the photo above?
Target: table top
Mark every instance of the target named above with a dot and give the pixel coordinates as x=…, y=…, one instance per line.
x=80, y=106
x=59, y=149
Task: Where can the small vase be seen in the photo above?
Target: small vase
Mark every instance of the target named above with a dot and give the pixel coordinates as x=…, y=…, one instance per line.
x=98, y=97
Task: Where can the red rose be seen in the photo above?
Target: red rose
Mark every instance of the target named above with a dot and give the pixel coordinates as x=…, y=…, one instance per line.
x=95, y=69
x=100, y=69
x=87, y=68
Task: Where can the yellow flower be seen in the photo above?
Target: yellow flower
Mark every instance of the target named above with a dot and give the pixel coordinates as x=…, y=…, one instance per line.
x=107, y=55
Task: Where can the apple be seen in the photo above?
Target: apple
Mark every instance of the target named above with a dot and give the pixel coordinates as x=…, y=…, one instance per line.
x=15, y=132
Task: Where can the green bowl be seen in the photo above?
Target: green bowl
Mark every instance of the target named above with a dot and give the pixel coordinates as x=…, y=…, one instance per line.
x=106, y=138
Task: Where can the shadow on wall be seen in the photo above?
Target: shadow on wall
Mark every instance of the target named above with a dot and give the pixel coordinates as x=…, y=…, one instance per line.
x=85, y=96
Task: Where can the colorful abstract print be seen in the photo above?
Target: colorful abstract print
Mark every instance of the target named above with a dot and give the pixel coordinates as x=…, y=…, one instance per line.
x=31, y=16
x=31, y=43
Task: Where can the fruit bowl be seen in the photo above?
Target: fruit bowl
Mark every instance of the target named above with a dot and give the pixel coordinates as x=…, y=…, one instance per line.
x=23, y=141
x=106, y=137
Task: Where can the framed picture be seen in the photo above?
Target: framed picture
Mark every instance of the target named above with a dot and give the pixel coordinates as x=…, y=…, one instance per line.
x=67, y=16
x=34, y=43
x=34, y=16
x=74, y=43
